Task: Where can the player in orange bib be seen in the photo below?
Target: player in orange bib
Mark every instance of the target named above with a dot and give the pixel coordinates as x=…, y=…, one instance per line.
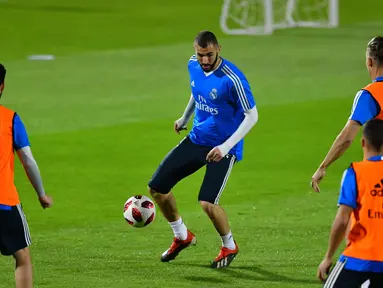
x=368, y=104
x=14, y=232
x=361, y=199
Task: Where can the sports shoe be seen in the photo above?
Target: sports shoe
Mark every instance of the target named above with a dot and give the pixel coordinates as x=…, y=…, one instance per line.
x=177, y=246
x=225, y=257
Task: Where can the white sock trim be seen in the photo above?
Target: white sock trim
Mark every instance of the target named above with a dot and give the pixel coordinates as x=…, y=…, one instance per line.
x=179, y=229
x=228, y=241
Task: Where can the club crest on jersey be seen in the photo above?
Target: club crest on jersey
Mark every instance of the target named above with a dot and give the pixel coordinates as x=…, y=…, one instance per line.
x=213, y=94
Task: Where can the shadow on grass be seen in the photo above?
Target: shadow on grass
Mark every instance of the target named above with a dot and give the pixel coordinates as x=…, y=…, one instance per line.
x=242, y=272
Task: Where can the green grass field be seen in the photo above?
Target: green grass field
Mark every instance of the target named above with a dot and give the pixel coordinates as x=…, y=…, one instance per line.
x=100, y=120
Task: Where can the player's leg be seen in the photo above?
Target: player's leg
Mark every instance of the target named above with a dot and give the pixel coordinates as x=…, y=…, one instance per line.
x=216, y=177
x=167, y=204
x=23, y=272
x=182, y=161
x=344, y=278
x=15, y=240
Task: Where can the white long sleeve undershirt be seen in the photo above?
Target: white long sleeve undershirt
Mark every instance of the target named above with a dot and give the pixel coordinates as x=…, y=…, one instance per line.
x=31, y=169
x=251, y=118
x=189, y=110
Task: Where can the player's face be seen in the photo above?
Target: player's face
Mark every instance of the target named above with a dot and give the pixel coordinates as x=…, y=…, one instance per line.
x=207, y=57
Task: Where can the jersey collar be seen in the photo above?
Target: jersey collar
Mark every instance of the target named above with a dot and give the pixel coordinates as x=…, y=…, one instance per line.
x=376, y=158
x=219, y=65
x=379, y=79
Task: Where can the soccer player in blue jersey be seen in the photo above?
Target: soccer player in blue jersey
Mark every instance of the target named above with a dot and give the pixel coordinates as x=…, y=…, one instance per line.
x=225, y=111
x=366, y=106
x=15, y=238
x=360, y=199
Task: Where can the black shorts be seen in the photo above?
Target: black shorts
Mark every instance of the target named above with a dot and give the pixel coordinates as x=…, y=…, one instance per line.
x=187, y=158
x=344, y=278
x=14, y=231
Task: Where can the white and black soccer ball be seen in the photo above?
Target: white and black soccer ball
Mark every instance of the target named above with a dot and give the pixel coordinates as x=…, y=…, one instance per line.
x=139, y=211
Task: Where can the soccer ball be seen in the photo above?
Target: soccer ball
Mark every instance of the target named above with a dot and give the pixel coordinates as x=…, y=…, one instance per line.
x=139, y=211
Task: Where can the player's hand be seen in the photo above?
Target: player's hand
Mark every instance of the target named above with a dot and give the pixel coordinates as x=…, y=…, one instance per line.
x=46, y=201
x=317, y=177
x=179, y=125
x=324, y=269
x=214, y=155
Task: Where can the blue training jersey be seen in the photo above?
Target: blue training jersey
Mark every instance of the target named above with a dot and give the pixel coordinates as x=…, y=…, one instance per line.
x=221, y=98
x=20, y=136
x=365, y=106
x=348, y=196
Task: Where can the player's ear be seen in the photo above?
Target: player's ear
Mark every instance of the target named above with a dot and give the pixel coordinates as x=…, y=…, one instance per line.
x=363, y=142
x=369, y=62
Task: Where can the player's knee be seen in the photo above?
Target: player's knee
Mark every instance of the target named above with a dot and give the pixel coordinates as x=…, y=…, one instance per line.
x=22, y=257
x=207, y=206
x=152, y=192
x=155, y=194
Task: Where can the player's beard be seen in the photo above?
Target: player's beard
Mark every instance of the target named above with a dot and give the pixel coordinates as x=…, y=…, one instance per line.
x=210, y=66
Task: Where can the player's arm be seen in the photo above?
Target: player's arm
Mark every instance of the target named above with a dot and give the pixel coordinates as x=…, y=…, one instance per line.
x=31, y=169
x=241, y=94
x=182, y=122
x=341, y=143
x=24, y=152
x=338, y=230
x=251, y=118
x=347, y=203
x=364, y=109
x=189, y=110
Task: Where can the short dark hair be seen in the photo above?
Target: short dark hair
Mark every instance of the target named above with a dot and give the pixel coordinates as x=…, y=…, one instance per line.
x=373, y=133
x=375, y=49
x=2, y=73
x=205, y=38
